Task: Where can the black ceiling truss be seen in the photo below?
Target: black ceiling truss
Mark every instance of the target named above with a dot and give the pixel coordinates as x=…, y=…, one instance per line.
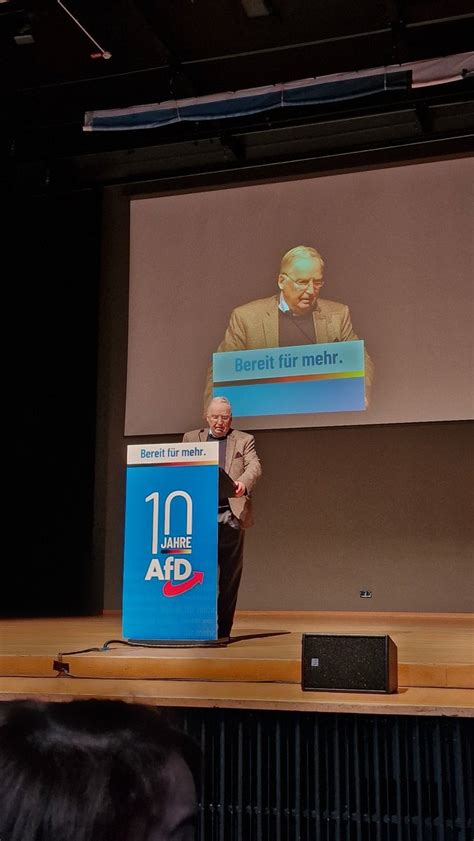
x=179, y=48
x=426, y=122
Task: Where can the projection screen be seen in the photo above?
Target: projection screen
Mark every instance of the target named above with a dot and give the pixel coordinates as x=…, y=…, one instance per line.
x=398, y=262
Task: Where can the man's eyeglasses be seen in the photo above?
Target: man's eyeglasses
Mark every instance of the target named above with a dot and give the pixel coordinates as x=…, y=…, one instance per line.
x=221, y=417
x=303, y=284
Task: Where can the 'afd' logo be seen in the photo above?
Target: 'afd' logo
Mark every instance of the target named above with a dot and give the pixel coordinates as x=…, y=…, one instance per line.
x=176, y=572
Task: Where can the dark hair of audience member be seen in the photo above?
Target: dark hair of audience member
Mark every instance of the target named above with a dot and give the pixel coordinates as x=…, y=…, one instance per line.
x=94, y=770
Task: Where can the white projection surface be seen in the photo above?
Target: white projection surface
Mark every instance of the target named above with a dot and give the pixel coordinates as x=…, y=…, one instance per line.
x=398, y=250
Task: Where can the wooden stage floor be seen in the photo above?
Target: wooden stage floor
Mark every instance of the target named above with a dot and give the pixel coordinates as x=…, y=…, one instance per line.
x=260, y=669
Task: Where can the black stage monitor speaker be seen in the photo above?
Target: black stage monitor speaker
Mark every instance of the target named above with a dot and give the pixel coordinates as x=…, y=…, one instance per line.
x=349, y=663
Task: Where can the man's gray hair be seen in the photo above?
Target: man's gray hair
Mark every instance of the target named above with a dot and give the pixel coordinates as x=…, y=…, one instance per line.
x=221, y=400
x=299, y=251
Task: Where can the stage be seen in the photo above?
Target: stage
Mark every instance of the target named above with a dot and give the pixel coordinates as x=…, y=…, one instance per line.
x=259, y=669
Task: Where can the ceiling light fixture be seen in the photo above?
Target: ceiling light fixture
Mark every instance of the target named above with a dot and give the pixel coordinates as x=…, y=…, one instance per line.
x=24, y=36
x=257, y=8
x=102, y=53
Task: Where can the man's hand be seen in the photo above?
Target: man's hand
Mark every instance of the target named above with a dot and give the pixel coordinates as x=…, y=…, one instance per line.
x=240, y=489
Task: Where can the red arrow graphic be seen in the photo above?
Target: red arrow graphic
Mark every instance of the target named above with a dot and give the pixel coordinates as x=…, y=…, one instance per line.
x=171, y=589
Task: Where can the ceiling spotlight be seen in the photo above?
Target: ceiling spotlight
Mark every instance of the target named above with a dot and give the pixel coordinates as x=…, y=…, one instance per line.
x=257, y=8
x=105, y=55
x=23, y=34
x=25, y=38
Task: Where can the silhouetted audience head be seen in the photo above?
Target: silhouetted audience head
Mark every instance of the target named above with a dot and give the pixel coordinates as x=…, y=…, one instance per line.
x=94, y=771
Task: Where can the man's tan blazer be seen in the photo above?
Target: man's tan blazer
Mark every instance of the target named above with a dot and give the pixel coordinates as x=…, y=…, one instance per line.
x=255, y=325
x=241, y=463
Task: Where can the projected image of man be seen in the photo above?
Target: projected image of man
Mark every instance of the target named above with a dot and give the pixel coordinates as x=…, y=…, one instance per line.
x=296, y=315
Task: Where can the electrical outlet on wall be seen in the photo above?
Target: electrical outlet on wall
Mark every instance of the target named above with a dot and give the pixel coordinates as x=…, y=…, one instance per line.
x=365, y=594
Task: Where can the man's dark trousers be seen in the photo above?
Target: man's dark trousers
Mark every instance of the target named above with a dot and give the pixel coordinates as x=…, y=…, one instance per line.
x=231, y=554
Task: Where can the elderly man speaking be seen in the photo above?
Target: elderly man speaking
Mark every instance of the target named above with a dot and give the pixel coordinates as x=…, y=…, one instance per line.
x=294, y=316
x=238, y=457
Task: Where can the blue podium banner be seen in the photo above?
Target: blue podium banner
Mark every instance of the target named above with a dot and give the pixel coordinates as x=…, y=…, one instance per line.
x=292, y=380
x=170, y=556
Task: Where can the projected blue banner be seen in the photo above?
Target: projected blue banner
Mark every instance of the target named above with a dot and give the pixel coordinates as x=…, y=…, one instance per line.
x=292, y=380
x=170, y=558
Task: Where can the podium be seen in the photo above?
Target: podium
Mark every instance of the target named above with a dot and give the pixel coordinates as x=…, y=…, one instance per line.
x=170, y=550
x=293, y=380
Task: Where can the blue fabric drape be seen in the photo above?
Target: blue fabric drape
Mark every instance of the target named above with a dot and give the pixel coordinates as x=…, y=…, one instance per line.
x=238, y=105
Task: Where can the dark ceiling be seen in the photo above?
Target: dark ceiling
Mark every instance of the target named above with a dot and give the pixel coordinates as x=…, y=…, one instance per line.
x=160, y=49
